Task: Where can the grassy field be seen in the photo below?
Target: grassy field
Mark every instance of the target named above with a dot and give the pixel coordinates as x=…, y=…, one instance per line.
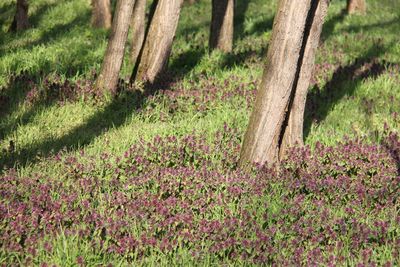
x=56, y=134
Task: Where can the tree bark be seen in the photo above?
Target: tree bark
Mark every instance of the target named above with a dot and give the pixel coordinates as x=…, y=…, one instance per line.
x=221, y=32
x=101, y=14
x=108, y=78
x=356, y=7
x=285, y=57
x=20, y=21
x=155, y=52
x=293, y=132
x=138, y=28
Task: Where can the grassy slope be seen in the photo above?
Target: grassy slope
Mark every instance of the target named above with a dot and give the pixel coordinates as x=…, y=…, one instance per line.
x=61, y=42
x=351, y=97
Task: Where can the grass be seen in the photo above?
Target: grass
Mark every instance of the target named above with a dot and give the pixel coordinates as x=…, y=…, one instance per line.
x=62, y=43
x=355, y=92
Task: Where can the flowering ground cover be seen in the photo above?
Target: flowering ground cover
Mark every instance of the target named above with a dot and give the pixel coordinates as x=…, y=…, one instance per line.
x=172, y=201
x=153, y=179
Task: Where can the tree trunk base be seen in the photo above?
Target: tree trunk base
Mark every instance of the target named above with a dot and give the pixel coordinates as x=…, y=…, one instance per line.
x=356, y=7
x=221, y=31
x=101, y=14
x=154, y=55
x=20, y=21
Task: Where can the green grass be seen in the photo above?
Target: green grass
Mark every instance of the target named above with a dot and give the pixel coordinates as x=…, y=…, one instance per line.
x=61, y=42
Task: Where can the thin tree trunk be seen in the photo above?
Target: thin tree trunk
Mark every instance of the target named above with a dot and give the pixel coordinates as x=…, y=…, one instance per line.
x=101, y=14
x=293, y=132
x=20, y=21
x=155, y=52
x=221, y=32
x=113, y=58
x=356, y=7
x=292, y=27
x=138, y=28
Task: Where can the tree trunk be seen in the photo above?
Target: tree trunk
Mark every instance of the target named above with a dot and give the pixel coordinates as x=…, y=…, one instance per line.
x=112, y=62
x=153, y=58
x=138, y=28
x=289, y=47
x=221, y=32
x=101, y=14
x=356, y=6
x=20, y=21
x=293, y=132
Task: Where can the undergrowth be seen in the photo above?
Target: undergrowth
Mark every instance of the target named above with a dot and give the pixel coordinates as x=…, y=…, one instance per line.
x=152, y=178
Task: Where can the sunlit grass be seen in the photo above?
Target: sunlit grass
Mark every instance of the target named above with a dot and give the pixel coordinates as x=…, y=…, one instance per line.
x=62, y=44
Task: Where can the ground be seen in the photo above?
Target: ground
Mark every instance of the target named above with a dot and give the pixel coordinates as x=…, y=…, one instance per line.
x=55, y=128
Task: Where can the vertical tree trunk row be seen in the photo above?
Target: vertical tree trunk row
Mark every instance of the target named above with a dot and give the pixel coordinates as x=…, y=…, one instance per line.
x=221, y=32
x=101, y=14
x=293, y=132
x=356, y=6
x=285, y=57
x=20, y=21
x=108, y=78
x=158, y=43
x=138, y=29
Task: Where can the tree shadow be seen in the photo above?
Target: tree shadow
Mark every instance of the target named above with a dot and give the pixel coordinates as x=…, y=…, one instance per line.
x=18, y=86
x=239, y=18
x=261, y=27
x=33, y=18
x=55, y=32
x=358, y=28
x=24, y=90
x=113, y=115
x=186, y=62
x=6, y=12
x=10, y=99
x=247, y=57
x=345, y=80
x=329, y=25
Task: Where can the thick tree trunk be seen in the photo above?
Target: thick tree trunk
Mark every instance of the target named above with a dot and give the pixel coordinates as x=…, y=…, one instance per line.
x=155, y=52
x=291, y=31
x=356, y=7
x=138, y=28
x=101, y=14
x=293, y=132
x=112, y=62
x=221, y=32
x=20, y=21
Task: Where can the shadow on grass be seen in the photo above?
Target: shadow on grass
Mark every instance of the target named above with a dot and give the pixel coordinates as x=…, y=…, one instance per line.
x=248, y=57
x=7, y=11
x=18, y=86
x=186, y=62
x=240, y=15
x=54, y=33
x=329, y=25
x=358, y=28
x=10, y=99
x=261, y=27
x=345, y=80
x=113, y=115
x=33, y=18
x=34, y=96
